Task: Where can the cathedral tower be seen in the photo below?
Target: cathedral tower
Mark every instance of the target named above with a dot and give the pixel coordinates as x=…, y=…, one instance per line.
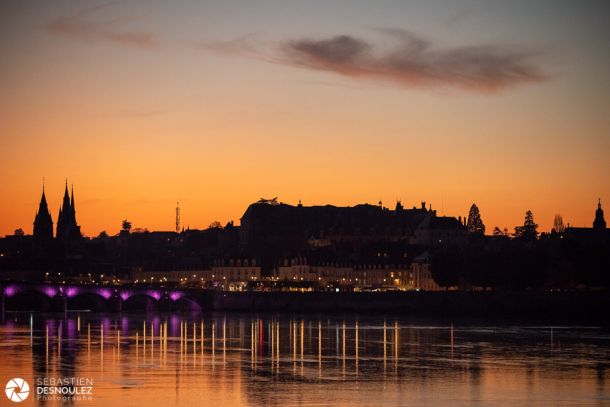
x=43, y=223
x=67, y=228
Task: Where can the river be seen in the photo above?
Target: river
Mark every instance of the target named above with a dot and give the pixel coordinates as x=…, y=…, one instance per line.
x=301, y=360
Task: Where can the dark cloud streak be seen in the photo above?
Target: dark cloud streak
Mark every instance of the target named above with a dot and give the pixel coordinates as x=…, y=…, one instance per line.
x=416, y=62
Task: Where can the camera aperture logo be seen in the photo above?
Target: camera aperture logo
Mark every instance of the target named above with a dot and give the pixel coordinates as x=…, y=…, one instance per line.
x=17, y=389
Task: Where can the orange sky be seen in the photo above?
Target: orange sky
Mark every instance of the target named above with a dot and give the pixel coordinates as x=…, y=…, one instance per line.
x=215, y=106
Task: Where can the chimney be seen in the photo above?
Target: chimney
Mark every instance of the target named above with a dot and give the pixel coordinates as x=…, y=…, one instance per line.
x=423, y=204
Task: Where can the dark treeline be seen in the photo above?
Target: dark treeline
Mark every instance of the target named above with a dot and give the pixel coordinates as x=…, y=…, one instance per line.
x=571, y=259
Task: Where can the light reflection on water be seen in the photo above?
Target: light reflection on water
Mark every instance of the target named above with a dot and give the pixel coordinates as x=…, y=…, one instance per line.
x=260, y=360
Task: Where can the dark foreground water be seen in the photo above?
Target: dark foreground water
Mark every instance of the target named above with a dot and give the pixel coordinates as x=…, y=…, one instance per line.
x=288, y=360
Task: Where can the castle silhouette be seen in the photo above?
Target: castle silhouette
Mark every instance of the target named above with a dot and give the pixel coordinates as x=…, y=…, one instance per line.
x=67, y=228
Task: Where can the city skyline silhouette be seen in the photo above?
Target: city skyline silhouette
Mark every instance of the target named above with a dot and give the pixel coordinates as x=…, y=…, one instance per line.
x=68, y=216
x=215, y=105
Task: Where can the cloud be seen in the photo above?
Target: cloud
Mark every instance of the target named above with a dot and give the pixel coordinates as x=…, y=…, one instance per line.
x=79, y=27
x=416, y=62
x=412, y=62
x=246, y=45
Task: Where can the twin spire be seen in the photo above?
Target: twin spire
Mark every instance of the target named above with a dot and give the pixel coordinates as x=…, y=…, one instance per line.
x=67, y=228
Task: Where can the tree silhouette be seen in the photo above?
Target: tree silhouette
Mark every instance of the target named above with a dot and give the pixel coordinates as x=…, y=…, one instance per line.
x=475, y=224
x=529, y=230
x=498, y=232
x=446, y=267
x=126, y=226
x=19, y=232
x=480, y=267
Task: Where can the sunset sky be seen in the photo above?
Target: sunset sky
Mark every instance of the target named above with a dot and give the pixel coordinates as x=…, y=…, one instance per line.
x=216, y=104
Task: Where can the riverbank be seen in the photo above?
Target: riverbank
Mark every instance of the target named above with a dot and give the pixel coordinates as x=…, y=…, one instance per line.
x=569, y=306
x=580, y=306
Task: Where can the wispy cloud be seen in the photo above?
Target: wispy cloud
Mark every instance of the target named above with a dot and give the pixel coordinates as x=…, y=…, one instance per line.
x=416, y=62
x=80, y=26
x=246, y=45
x=413, y=61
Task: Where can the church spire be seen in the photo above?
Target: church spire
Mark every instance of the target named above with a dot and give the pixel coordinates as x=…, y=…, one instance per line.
x=43, y=198
x=67, y=228
x=43, y=223
x=72, y=201
x=599, y=222
x=66, y=194
x=65, y=207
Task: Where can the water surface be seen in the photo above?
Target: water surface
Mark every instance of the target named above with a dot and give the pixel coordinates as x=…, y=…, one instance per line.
x=294, y=360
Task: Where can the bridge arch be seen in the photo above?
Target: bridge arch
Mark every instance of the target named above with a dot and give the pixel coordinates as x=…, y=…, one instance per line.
x=98, y=298
x=88, y=300
x=141, y=301
x=186, y=303
x=29, y=299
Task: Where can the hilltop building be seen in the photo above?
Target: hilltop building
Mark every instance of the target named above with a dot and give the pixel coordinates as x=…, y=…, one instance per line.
x=290, y=229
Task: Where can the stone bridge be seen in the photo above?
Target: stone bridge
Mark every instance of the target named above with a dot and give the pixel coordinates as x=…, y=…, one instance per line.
x=64, y=297
x=566, y=305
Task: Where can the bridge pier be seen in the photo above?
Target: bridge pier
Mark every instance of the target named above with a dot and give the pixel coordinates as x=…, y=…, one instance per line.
x=165, y=304
x=116, y=304
x=3, y=304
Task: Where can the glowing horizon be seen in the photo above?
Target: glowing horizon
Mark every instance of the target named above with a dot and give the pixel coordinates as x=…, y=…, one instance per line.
x=141, y=104
x=167, y=224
